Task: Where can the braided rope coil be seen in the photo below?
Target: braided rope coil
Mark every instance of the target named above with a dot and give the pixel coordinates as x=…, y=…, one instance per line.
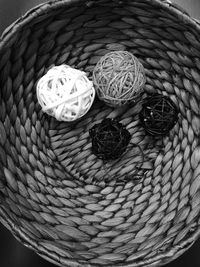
x=53, y=195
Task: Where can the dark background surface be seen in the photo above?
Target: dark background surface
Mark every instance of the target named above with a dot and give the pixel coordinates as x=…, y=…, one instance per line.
x=12, y=253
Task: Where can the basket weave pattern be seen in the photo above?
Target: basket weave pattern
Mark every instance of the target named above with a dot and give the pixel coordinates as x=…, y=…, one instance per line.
x=54, y=193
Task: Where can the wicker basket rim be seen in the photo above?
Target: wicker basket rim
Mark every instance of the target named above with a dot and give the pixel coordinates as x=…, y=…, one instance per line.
x=43, y=8
x=178, y=250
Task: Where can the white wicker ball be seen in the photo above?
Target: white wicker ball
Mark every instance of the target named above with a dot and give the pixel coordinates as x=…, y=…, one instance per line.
x=65, y=93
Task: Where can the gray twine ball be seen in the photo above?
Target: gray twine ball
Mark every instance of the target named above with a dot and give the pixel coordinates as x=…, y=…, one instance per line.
x=119, y=78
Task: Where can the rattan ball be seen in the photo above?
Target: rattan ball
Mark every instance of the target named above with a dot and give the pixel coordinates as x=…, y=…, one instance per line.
x=65, y=93
x=159, y=114
x=118, y=78
x=109, y=139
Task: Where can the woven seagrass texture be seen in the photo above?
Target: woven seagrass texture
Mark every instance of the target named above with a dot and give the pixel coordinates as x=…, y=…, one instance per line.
x=54, y=193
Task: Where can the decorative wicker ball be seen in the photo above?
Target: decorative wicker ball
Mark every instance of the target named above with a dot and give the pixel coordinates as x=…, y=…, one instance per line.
x=65, y=93
x=118, y=78
x=109, y=139
x=159, y=114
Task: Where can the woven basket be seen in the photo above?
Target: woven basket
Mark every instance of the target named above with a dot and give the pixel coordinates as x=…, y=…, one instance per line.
x=55, y=196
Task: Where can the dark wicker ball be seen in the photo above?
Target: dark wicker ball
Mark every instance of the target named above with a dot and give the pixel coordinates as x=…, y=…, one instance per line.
x=159, y=114
x=109, y=139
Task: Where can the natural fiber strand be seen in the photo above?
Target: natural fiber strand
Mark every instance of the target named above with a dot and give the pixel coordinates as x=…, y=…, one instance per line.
x=133, y=177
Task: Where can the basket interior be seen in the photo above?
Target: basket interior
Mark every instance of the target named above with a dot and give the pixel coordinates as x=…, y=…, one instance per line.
x=72, y=207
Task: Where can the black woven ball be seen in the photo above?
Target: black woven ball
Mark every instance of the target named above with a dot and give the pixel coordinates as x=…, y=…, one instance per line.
x=159, y=114
x=109, y=139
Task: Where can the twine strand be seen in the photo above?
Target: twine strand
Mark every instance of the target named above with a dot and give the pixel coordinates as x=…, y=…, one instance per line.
x=137, y=168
